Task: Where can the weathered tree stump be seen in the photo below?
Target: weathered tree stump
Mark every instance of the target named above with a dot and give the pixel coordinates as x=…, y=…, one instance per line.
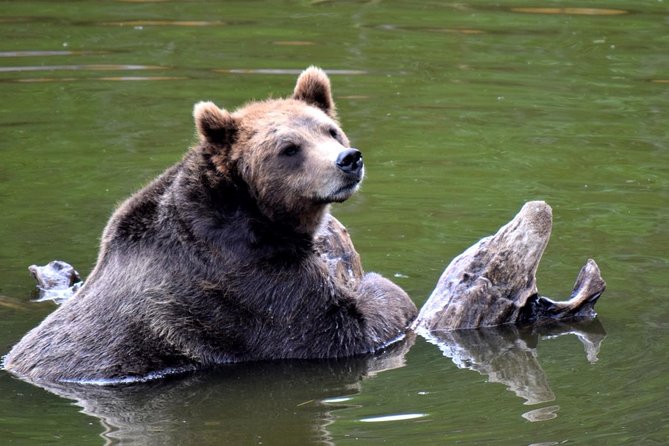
x=494, y=281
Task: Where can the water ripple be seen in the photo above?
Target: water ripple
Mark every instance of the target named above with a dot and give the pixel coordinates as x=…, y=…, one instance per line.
x=166, y=23
x=91, y=67
x=571, y=11
x=48, y=53
x=290, y=71
x=398, y=417
x=105, y=78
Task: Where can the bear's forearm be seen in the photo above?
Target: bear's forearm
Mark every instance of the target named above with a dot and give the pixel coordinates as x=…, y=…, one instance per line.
x=387, y=309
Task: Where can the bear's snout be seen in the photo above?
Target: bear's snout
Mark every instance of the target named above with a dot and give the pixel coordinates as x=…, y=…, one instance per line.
x=350, y=162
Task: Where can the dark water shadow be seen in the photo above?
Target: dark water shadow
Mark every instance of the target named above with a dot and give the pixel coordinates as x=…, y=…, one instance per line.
x=273, y=402
x=508, y=355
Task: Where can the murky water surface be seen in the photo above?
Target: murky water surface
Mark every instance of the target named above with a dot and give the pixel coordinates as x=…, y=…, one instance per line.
x=464, y=111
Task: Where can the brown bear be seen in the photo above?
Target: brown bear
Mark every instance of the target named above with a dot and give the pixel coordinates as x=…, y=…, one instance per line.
x=230, y=255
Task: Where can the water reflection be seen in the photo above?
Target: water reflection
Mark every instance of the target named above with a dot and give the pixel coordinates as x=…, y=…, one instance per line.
x=507, y=355
x=279, y=402
x=541, y=414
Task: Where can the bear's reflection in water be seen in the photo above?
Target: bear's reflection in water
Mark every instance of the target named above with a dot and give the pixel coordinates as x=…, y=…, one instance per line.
x=272, y=402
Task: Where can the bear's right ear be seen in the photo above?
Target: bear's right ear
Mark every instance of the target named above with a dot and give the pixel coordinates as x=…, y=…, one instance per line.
x=214, y=125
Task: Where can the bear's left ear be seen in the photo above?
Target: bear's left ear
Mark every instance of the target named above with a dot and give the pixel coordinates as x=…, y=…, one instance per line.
x=313, y=87
x=213, y=124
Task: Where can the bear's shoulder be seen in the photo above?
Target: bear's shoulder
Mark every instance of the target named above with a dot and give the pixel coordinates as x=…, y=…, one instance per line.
x=138, y=216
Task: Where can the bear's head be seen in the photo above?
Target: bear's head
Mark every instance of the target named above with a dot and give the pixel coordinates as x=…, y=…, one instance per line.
x=291, y=154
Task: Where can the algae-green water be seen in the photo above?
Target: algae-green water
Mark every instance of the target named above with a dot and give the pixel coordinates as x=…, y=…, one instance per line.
x=463, y=110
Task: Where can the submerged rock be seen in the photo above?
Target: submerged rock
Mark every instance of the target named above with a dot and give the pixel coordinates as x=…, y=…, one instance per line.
x=494, y=281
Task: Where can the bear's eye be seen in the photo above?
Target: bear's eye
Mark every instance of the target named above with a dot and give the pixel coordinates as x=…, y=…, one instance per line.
x=290, y=150
x=333, y=132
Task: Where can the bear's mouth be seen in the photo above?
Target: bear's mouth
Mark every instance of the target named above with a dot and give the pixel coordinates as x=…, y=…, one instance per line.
x=344, y=192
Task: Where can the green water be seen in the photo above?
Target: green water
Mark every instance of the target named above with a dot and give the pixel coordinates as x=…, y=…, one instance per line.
x=463, y=111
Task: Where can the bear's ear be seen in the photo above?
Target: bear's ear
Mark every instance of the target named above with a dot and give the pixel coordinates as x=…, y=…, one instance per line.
x=313, y=87
x=213, y=124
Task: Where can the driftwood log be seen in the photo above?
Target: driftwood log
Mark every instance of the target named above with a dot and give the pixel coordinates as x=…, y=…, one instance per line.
x=494, y=281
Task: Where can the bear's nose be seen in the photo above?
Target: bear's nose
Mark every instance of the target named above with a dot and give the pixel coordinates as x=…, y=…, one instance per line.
x=350, y=161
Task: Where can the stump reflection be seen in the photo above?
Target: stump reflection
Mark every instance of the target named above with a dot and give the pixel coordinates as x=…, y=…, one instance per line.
x=507, y=354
